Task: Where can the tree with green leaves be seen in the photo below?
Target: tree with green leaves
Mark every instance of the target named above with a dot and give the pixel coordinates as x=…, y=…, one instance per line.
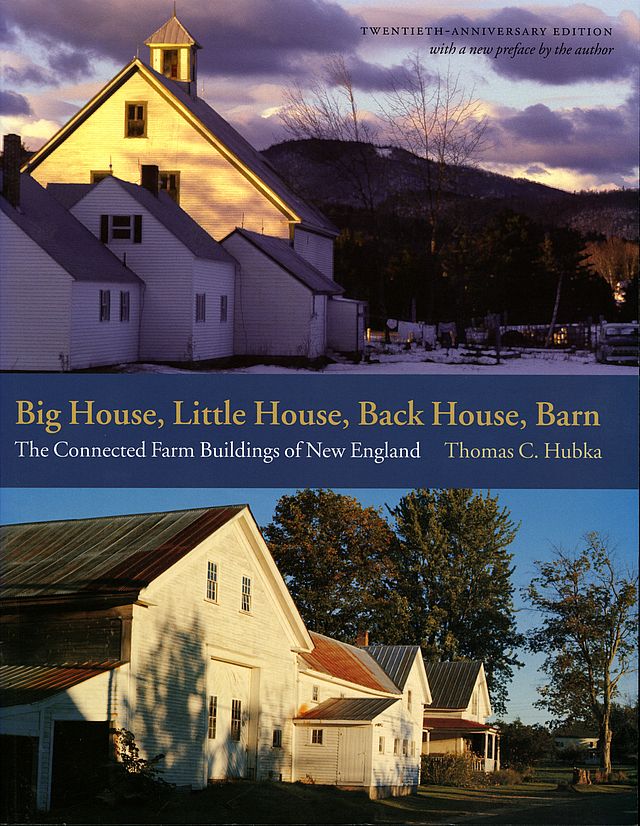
x=453, y=552
x=522, y=746
x=336, y=558
x=588, y=634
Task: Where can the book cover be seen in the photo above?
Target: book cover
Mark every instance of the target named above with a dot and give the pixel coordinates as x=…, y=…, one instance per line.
x=319, y=412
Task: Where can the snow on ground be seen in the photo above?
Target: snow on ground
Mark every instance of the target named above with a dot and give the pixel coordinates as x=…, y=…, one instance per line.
x=394, y=360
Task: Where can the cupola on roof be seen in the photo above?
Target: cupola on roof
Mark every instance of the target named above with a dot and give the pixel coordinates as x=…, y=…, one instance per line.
x=172, y=52
x=172, y=33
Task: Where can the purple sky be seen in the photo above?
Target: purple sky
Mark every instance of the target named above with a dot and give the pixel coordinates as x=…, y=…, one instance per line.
x=564, y=120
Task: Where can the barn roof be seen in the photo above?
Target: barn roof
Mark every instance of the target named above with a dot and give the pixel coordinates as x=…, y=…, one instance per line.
x=346, y=662
x=173, y=32
x=349, y=708
x=230, y=142
x=178, y=222
x=30, y=683
x=452, y=683
x=282, y=253
x=454, y=724
x=112, y=555
x=63, y=237
x=395, y=660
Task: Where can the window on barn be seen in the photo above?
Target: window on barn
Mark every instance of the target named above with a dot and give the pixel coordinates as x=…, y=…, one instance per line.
x=212, y=581
x=223, y=309
x=105, y=305
x=201, y=308
x=125, y=305
x=380, y=745
x=236, y=719
x=315, y=693
x=396, y=745
x=121, y=228
x=170, y=183
x=316, y=736
x=246, y=593
x=474, y=703
x=135, y=119
x=405, y=747
x=409, y=698
x=170, y=63
x=212, y=720
x=277, y=738
x=413, y=748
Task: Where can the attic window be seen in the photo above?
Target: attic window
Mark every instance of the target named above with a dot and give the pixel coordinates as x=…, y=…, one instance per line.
x=409, y=700
x=170, y=183
x=121, y=228
x=98, y=175
x=136, y=119
x=246, y=594
x=212, y=581
x=170, y=63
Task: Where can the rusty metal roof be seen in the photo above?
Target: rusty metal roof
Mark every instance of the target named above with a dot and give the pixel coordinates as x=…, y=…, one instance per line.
x=395, y=660
x=106, y=555
x=172, y=33
x=455, y=724
x=452, y=683
x=346, y=662
x=349, y=708
x=29, y=683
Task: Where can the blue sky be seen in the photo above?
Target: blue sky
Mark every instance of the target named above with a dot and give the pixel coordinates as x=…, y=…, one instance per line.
x=548, y=518
x=564, y=121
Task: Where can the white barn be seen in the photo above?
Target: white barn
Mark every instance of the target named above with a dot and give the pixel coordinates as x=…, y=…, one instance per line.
x=66, y=302
x=178, y=627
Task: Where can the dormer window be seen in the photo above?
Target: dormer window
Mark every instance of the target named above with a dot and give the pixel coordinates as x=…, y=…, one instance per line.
x=136, y=119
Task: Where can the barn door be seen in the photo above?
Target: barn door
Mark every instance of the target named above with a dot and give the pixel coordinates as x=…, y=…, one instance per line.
x=228, y=720
x=81, y=753
x=352, y=748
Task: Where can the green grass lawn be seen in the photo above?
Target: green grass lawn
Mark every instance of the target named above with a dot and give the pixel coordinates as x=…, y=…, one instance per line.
x=285, y=803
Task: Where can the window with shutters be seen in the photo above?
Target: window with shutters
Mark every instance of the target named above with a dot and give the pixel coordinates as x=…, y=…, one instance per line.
x=105, y=305
x=121, y=228
x=236, y=719
x=135, y=119
x=170, y=183
x=125, y=304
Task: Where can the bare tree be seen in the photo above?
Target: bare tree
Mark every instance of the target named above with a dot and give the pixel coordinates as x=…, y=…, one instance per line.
x=588, y=634
x=440, y=123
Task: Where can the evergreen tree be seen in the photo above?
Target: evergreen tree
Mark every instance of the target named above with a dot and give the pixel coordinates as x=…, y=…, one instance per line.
x=453, y=553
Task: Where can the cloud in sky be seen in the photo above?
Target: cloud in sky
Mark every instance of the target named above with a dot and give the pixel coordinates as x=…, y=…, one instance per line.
x=12, y=103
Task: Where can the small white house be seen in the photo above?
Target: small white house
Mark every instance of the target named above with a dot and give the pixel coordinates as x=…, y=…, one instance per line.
x=455, y=721
x=66, y=301
x=189, y=279
x=281, y=298
x=346, y=318
x=178, y=627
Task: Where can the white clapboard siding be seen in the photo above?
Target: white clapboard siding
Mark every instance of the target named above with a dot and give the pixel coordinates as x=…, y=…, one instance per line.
x=35, y=304
x=315, y=248
x=161, y=261
x=345, y=325
x=273, y=310
x=317, y=763
x=212, y=191
x=94, y=342
x=213, y=338
x=173, y=641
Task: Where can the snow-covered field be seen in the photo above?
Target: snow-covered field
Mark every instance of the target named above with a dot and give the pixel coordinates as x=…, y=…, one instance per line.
x=394, y=360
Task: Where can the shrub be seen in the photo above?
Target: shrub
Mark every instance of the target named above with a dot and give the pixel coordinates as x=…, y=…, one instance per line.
x=505, y=777
x=450, y=770
x=573, y=755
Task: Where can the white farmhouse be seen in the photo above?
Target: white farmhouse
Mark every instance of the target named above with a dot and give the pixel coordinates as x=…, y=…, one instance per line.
x=66, y=301
x=178, y=627
x=152, y=115
x=455, y=722
x=189, y=279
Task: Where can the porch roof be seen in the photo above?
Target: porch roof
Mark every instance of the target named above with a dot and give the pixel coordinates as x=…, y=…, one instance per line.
x=449, y=724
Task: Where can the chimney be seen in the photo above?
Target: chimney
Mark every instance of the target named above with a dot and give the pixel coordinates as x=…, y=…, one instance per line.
x=362, y=640
x=11, y=169
x=150, y=178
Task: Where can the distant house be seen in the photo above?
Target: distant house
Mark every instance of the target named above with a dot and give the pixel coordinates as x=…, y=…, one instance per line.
x=455, y=721
x=152, y=115
x=178, y=627
x=66, y=301
x=577, y=737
